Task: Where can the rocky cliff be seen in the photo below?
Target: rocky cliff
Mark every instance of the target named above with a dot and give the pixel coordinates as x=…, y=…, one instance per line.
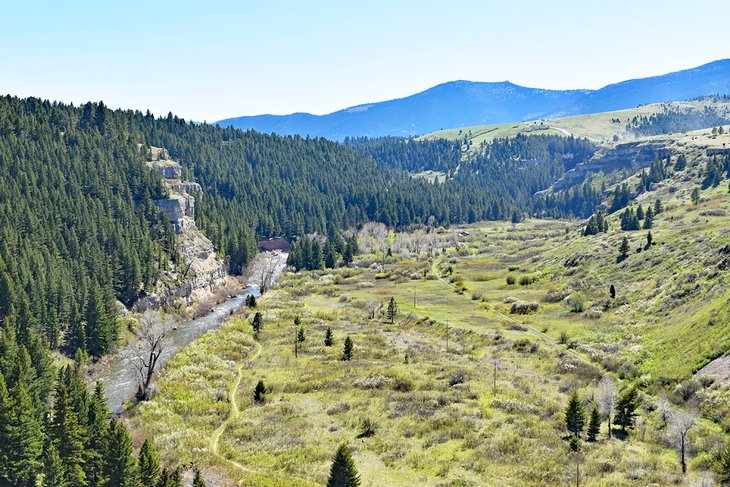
x=630, y=155
x=200, y=269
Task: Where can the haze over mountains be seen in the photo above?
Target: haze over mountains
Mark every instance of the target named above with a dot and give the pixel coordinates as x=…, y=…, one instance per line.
x=466, y=103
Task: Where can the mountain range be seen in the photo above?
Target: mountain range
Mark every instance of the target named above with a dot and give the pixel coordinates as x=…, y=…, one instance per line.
x=466, y=103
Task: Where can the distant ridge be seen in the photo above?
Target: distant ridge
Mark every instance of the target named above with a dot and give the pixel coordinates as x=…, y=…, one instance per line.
x=465, y=103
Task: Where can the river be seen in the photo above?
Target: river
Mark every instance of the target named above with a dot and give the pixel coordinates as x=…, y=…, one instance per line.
x=120, y=376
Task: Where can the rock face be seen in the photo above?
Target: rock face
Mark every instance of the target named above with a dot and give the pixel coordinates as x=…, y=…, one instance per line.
x=629, y=155
x=201, y=270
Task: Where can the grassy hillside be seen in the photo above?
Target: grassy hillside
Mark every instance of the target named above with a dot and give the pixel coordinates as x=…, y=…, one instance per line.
x=600, y=127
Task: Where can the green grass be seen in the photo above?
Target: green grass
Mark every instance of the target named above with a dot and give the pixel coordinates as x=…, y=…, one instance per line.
x=670, y=317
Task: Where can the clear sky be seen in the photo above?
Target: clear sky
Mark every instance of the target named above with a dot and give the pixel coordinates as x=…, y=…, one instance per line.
x=207, y=60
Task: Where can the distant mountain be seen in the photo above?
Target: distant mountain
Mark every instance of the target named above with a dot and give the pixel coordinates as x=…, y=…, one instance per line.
x=465, y=103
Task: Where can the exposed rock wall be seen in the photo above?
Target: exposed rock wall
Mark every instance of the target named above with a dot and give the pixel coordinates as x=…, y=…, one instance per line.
x=201, y=270
x=630, y=155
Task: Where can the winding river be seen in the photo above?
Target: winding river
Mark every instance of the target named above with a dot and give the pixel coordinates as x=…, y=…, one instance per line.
x=120, y=376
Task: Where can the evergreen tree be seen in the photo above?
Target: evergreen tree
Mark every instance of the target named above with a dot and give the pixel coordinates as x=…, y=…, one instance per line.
x=695, y=196
x=67, y=425
x=96, y=437
x=392, y=310
x=5, y=420
x=257, y=324
x=640, y=212
x=330, y=256
x=53, y=471
x=343, y=472
x=198, y=480
x=149, y=464
x=649, y=240
x=99, y=330
x=658, y=207
x=24, y=438
x=300, y=335
x=575, y=415
x=649, y=219
x=349, y=349
x=328, y=338
x=623, y=250
x=250, y=301
x=626, y=408
x=594, y=425
x=120, y=466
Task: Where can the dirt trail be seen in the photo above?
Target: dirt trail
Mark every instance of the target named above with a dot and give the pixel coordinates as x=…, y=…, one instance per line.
x=233, y=414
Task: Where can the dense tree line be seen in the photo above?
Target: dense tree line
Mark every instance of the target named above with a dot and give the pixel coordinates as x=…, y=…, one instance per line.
x=672, y=121
x=311, y=252
x=63, y=434
x=78, y=229
x=409, y=154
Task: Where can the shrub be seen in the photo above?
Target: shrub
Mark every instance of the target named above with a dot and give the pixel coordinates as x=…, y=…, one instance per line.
x=459, y=377
x=511, y=280
x=522, y=308
x=576, y=303
x=526, y=280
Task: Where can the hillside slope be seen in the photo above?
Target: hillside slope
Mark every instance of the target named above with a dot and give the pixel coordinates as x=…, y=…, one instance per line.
x=465, y=103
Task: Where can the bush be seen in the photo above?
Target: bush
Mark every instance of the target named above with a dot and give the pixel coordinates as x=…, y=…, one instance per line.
x=527, y=280
x=576, y=303
x=522, y=308
x=511, y=280
x=459, y=377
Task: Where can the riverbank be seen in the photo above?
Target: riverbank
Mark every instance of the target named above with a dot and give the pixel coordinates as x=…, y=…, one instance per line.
x=119, y=373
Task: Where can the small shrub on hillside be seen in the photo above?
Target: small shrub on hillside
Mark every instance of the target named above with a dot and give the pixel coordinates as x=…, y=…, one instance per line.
x=556, y=296
x=459, y=377
x=525, y=345
x=509, y=300
x=576, y=303
x=522, y=308
x=527, y=280
x=511, y=279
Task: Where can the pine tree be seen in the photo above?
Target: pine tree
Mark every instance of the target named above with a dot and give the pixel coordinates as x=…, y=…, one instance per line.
x=67, y=425
x=328, y=338
x=649, y=240
x=349, y=349
x=623, y=250
x=626, y=408
x=695, y=196
x=392, y=310
x=640, y=212
x=176, y=479
x=343, y=472
x=301, y=337
x=24, y=437
x=96, y=437
x=594, y=425
x=149, y=464
x=53, y=471
x=5, y=422
x=120, y=466
x=198, y=480
x=575, y=415
x=99, y=330
x=649, y=219
x=257, y=324
x=658, y=207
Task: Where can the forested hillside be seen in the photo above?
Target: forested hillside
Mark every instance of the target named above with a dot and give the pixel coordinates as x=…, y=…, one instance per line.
x=515, y=168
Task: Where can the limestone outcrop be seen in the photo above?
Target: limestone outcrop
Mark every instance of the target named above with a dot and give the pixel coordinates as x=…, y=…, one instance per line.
x=200, y=270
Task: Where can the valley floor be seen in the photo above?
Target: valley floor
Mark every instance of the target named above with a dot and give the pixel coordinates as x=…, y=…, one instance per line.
x=418, y=403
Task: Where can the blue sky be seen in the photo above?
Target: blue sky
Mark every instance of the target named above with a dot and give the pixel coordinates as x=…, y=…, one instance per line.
x=207, y=60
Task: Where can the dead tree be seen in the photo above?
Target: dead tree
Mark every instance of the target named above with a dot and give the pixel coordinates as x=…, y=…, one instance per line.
x=680, y=424
x=265, y=270
x=151, y=335
x=607, y=399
